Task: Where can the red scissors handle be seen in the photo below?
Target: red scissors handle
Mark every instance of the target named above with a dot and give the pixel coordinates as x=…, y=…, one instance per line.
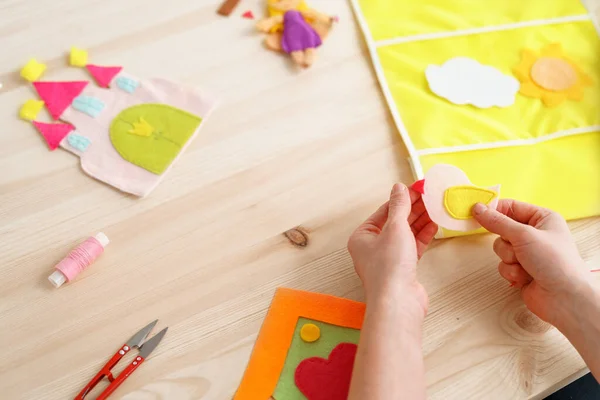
x=105, y=371
x=121, y=378
x=144, y=347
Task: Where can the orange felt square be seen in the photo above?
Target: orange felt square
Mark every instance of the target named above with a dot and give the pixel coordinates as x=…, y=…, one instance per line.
x=271, y=347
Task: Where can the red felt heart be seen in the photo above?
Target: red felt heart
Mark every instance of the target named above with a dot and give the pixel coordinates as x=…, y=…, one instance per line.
x=321, y=379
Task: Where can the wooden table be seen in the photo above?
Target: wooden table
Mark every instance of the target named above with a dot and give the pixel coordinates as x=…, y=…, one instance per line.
x=205, y=251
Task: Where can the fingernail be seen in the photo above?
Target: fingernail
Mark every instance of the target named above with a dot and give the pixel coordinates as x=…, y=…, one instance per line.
x=398, y=187
x=479, y=209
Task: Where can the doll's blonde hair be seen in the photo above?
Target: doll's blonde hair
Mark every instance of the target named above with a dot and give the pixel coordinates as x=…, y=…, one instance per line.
x=275, y=12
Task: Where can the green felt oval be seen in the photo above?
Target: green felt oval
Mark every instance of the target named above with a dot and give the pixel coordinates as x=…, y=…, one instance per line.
x=172, y=128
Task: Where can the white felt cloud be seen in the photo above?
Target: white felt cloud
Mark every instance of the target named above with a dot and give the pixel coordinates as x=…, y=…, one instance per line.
x=462, y=80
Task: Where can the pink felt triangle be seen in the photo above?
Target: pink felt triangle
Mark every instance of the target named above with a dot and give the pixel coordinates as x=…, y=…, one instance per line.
x=53, y=133
x=103, y=75
x=58, y=95
x=248, y=15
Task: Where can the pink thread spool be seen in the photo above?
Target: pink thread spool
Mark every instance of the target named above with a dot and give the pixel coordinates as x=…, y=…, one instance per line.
x=78, y=259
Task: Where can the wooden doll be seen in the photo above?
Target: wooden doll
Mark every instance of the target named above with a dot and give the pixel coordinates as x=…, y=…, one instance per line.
x=296, y=29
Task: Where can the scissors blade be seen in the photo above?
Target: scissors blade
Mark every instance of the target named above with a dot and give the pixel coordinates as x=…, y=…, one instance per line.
x=151, y=344
x=137, y=339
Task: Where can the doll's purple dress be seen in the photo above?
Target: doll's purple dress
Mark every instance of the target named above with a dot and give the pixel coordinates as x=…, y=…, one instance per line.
x=298, y=35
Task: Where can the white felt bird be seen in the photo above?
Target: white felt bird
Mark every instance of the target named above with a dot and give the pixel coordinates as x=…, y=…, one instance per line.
x=449, y=196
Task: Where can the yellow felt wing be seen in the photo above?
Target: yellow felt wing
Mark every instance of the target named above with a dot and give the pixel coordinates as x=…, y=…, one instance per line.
x=459, y=200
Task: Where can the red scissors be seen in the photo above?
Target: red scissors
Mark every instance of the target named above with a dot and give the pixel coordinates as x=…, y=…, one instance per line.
x=144, y=347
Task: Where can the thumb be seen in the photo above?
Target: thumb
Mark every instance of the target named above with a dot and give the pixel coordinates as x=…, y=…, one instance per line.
x=496, y=222
x=400, y=204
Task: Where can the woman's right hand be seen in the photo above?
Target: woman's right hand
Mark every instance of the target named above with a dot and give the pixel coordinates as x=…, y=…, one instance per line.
x=538, y=255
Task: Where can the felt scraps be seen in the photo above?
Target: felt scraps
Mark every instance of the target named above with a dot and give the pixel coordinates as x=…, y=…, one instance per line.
x=551, y=76
x=419, y=186
x=296, y=29
x=78, y=142
x=53, y=133
x=463, y=80
x=102, y=75
x=280, y=348
x=89, y=105
x=127, y=84
x=33, y=70
x=78, y=57
x=449, y=196
x=58, y=95
x=141, y=127
x=30, y=109
x=320, y=379
x=310, y=333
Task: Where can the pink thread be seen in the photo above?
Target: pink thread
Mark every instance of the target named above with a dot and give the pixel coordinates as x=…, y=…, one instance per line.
x=80, y=258
x=596, y=270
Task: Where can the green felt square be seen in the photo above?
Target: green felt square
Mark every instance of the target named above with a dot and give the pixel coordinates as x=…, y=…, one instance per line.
x=331, y=336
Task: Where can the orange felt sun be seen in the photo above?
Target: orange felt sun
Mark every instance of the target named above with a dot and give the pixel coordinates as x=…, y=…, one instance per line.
x=551, y=76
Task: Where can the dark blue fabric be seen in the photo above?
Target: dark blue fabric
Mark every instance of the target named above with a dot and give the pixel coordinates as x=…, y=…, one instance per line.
x=585, y=388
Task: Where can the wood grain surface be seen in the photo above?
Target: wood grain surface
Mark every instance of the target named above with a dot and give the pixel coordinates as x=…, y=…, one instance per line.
x=313, y=149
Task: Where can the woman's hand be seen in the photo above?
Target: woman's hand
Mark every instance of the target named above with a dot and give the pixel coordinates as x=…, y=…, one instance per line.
x=385, y=250
x=386, y=247
x=538, y=255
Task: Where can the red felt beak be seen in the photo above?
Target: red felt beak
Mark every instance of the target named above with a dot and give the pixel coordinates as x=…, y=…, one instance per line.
x=419, y=186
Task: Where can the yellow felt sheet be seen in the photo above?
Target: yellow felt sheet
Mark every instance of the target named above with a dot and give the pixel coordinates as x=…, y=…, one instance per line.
x=433, y=122
x=561, y=171
x=392, y=18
